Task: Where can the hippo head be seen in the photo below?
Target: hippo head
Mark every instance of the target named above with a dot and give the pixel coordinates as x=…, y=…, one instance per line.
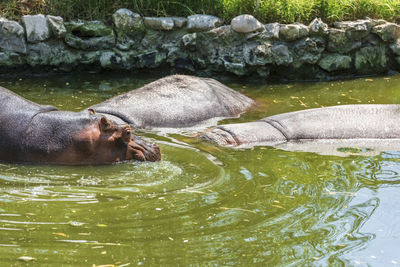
x=106, y=142
x=124, y=145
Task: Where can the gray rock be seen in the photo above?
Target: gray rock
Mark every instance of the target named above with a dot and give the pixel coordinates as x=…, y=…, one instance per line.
x=129, y=28
x=376, y=22
x=152, y=39
x=334, y=62
x=89, y=29
x=57, y=26
x=11, y=59
x=12, y=36
x=361, y=24
x=246, y=24
x=338, y=41
x=291, y=32
x=36, y=28
x=395, y=47
x=308, y=50
x=151, y=59
x=388, y=31
x=236, y=68
x=371, y=40
x=126, y=59
x=94, y=43
x=221, y=36
x=90, y=57
x=281, y=54
x=189, y=39
x=179, y=22
x=203, y=22
x=39, y=54
x=109, y=60
x=89, y=35
x=165, y=24
x=127, y=22
x=270, y=32
x=355, y=30
x=371, y=59
x=318, y=27
x=258, y=55
x=52, y=54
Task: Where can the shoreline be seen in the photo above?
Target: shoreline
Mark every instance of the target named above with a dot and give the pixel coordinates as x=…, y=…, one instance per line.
x=201, y=45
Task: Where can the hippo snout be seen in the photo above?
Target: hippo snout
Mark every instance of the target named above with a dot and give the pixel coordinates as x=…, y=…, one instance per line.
x=220, y=136
x=139, y=149
x=152, y=153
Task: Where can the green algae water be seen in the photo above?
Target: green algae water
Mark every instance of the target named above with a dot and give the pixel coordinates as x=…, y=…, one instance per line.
x=204, y=205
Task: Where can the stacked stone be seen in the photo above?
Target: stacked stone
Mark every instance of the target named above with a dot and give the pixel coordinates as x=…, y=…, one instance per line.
x=202, y=44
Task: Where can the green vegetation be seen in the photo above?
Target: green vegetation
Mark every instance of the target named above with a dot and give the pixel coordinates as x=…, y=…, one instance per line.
x=285, y=11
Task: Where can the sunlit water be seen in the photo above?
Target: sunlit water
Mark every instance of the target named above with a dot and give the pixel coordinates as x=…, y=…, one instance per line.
x=204, y=205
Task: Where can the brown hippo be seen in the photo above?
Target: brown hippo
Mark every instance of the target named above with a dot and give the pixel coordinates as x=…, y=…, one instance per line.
x=41, y=134
x=33, y=133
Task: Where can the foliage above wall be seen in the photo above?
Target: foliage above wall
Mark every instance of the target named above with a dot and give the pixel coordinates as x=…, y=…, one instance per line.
x=283, y=11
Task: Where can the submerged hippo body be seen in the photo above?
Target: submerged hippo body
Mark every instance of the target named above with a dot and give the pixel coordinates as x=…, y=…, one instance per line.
x=347, y=124
x=41, y=134
x=176, y=101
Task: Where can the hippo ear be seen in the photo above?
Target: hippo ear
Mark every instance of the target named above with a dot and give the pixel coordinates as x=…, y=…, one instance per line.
x=91, y=111
x=104, y=121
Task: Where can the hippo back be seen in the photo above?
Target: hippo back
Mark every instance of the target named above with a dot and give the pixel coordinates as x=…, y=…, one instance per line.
x=51, y=132
x=176, y=101
x=16, y=114
x=340, y=122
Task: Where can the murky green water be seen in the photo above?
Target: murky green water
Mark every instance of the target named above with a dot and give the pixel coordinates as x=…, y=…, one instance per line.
x=203, y=205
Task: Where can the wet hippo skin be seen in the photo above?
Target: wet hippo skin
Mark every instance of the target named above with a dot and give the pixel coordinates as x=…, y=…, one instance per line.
x=176, y=101
x=41, y=134
x=33, y=133
x=355, y=122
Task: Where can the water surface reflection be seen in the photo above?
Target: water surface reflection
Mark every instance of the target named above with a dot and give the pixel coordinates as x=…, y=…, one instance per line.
x=205, y=205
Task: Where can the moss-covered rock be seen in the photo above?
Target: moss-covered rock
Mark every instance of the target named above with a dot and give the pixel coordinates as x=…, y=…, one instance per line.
x=12, y=37
x=292, y=32
x=36, y=28
x=372, y=59
x=335, y=62
x=89, y=29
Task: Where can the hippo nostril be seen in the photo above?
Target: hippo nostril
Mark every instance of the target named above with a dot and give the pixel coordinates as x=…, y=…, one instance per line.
x=150, y=151
x=154, y=154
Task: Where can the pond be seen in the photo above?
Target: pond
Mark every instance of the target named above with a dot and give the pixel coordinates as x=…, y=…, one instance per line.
x=205, y=205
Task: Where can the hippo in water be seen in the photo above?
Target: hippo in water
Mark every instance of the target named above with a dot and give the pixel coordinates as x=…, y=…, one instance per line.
x=320, y=130
x=33, y=133
x=176, y=101
x=41, y=134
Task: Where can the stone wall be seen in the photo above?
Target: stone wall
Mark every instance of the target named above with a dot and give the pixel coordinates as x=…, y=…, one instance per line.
x=201, y=44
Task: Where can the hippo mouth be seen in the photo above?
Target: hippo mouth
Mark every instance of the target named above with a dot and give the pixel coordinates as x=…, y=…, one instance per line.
x=142, y=151
x=221, y=137
x=135, y=147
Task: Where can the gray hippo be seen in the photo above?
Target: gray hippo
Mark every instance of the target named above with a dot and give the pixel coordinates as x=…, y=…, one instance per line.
x=102, y=134
x=32, y=133
x=316, y=129
x=175, y=101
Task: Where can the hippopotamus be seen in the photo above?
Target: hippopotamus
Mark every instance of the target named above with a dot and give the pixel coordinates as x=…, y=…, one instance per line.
x=32, y=133
x=175, y=101
x=102, y=133
x=315, y=130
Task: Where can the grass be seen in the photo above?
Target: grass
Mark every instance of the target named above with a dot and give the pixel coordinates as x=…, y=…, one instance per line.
x=284, y=11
